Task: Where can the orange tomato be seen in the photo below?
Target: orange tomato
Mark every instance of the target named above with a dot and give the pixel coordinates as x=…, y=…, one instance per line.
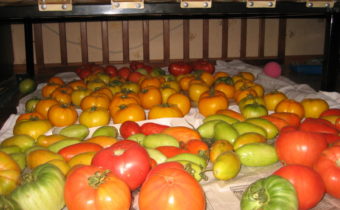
x=44, y=105
x=258, y=89
x=218, y=147
x=272, y=99
x=94, y=116
x=41, y=156
x=313, y=107
x=61, y=115
x=291, y=106
x=212, y=101
x=150, y=96
x=181, y=101
x=133, y=112
x=48, y=89
x=207, y=78
x=56, y=80
x=77, y=84
x=150, y=81
x=247, y=75
x=30, y=115
x=220, y=74
x=228, y=90
x=184, y=82
x=62, y=95
x=119, y=100
x=231, y=113
x=78, y=95
x=171, y=84
x=164, y=110
x=181, y=133
x=242, y=93
x=104, y=141
x=98, y=100
x=47, y=140
x=105, y=91
x=197, y=146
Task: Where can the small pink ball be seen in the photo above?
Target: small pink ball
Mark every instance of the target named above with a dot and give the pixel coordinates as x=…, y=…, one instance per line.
x=272, y=69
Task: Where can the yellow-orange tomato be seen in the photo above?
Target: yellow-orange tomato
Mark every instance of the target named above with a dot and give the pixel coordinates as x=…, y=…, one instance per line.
x=62, y=96
x=30, y=115
x=248, y=138
x=44, y=105
x=196, y=89
x=220, y=74
x=166, y=93
x=212, y=101
x=133, y=112
x=241, y=94
x=77, y=84
x=247, y=75
x=48, y=89
x=207, y=78
x=78, y=95
x=164, y=110
x=98, y=100
x=41, y=156
x=228, y=90
x=130, y=87
x=231, y=113
x=81, y=159
x=150, y=96
x=61, y=115
x=250, y=99
x=258, y=89
x=272, y=99
x=119, y=100
x=56, y=80
x=172, y=84
x=103, y=90
x=184, y=82
x=61, y=164
x=181, y=101
x=313, y=107
x=95, y=84
x=104, y=141
x=95, y=116
x=242, y=84
x=291, y=106
x=150, y=81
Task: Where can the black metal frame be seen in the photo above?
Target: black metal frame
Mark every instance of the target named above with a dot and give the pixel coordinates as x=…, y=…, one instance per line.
x=29, y=14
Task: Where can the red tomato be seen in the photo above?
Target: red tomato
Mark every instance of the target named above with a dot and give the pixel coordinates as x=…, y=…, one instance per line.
x=135, y=76
x=308, y=184
x=111, y=70
x=171, y=188
x=152, y=128
x=299, y=147
x=170, y=151
x=329, y=112
x=75, y=149
x=327, y=166
x=197, y=146
x=134, y=65
x=83, y=72
x=203, y=66
x=124, y=72
x=127, y=160
x=179, y=68
x=94, y=188
x=318, y=125
x=129, y=128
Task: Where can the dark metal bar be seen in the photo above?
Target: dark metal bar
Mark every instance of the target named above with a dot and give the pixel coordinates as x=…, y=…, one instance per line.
x=39, y=45
x=29, y=48
x=186, y=41
x=84, y=44
x=146, y=41
x=63, y=43
x=225, y=35
x=282, y=39
x=262, y=34
x=331, y=53
x=105, y=42
x=166, y=41
x=243, y=50
x=126, y=42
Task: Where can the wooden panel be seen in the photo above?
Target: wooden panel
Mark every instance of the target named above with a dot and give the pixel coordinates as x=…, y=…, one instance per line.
x=166, y=41
x=84, y=44
x=126, y=56
x=262, y=29
x=146, y=41
x=282, y=39
x=243, y=50
x=105, y=42
x=186, y=34
x=63, y=47
x=205, y=39
x=39, y=49
x=225, y=36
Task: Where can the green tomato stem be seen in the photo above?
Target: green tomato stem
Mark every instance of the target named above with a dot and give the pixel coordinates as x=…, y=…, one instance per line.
x=98, y=178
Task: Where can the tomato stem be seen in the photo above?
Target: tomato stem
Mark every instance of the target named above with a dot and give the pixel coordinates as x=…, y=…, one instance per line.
x=98, y=178
x=27, y=178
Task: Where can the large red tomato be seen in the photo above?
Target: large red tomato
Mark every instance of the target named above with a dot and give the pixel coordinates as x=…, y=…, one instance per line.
x=300, y=147
x=179, y=68
x=328, y=167
x=204, y=66
x=308, y=184
x=126, y=159
x=171, y=188
x=94, y=188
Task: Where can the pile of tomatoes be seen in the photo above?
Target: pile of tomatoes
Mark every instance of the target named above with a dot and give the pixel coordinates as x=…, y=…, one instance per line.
x=102, y=171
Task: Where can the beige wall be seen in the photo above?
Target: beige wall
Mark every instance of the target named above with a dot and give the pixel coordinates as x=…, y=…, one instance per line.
x=304, y=37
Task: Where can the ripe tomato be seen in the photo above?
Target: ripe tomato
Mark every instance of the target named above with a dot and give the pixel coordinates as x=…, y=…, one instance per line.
x=197, y=146
x=94, y=116
x=9, y=174
x=179, y=68
x=171, y=188
x=61, y=115
x=181, y=101
x=152, y=128
x=111, y=70
x=272, y=99
x=75, y=149
x=291, y=106
x=225, y=85
x=204, y=66
x=313, y=107
x=124, y=72
x=212, y=101
x=98, y=100
x=94, y=188
x=127, y=160
x=44, y=105
x=164, y=110
x=133, y=112
x=196, y=89
x=150, y=96
x=300, y=147
x=308, y=184
x=129, y=128
x=328, y=168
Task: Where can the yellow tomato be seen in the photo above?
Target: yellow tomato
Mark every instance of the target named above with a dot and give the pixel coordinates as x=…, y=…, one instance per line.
x=47, y=140
x=291, y=106
x=181, y=101
x=133, y=112
x=218, y=147
x=272, y=99
x=81, y=159
x=164, y=110
x=61, y=164
x=313, y=107
x=41, y=156
x=94, y=116
x=196, y=89
x=166, y=93
x=104, y=141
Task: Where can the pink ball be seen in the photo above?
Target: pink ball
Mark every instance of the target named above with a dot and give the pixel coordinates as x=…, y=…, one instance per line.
x=272, y=69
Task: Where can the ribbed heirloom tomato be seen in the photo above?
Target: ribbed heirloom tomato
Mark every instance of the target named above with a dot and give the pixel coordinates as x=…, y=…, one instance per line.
x=212, y=101
x=94, y=188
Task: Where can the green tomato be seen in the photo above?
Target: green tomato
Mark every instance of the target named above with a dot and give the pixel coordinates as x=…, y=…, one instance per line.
x=27, y=86
x=257, y=154
x=31, y=104
x=43, y=188
x=226, y=166
x=273, y=192
x=6, y=202
x=254, y=110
